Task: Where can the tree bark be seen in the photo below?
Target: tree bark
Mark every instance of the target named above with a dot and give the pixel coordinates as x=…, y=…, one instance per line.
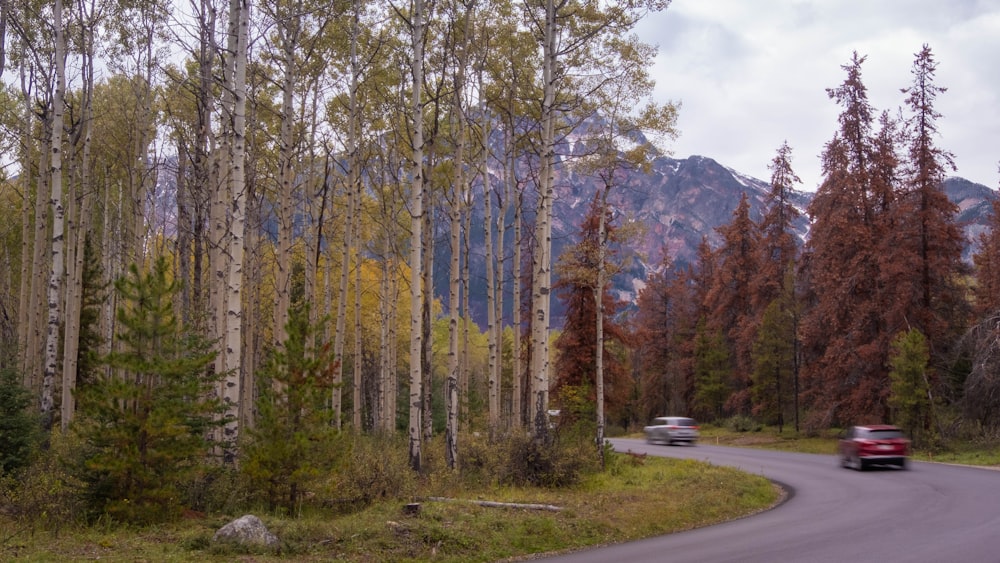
x=55, y=312
x=416, y=238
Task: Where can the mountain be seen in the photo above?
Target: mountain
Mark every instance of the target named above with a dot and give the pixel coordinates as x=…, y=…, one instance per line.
x=681, y=200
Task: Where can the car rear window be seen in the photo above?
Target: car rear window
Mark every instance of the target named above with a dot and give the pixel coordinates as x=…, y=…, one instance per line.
x=887, y=434
x=684, y=422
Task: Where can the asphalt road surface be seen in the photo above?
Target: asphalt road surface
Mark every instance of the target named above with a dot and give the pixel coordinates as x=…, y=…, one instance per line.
x=927, y=513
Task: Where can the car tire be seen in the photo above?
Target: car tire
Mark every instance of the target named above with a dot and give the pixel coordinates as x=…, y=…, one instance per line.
x=902, y=464
x=861, y=465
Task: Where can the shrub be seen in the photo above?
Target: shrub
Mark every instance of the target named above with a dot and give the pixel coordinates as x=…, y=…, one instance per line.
x=743, y=423
x=377, y=468
x=546, y=463
x=45, y=493
x=19, y=429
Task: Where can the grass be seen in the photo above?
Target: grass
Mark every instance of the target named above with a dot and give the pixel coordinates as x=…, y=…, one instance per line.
x=634, y=498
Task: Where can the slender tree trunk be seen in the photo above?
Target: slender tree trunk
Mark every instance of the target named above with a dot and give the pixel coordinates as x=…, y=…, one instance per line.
x=542, y=256
x=493, y=335
x=55, y=314
x=519, y=369
x=30, y=215
x=239, y=24
x=451, y=390
x=71, y=339
x=416, y=239
x=288, y=33
x=602, y=237
x=355, y=226
x=427, y=357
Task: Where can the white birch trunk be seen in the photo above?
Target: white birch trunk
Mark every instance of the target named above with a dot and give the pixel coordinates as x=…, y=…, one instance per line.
x=353, y=178
x=416, y=238
x=542, y=258
x=240, y=14
x=55, y=313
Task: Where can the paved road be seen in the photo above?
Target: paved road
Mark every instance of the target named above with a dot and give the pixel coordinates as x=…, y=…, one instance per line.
x=929, y=513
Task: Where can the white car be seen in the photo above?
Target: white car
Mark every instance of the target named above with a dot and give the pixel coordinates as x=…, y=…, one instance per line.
x=671, y=429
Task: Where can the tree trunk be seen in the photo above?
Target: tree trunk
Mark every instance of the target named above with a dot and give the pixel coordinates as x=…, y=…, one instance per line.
x=239, y=25
x=71, y=339
x=542, y=258
x=55, y=313
x=416, y=239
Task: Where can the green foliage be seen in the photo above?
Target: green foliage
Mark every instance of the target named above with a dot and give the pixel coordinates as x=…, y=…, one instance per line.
x=144, y=423
x=19, y=428
x=294, y=439
x=45, y=493
x=712, y=368
x=773, y=356
x=92, y=300
x=909, y=399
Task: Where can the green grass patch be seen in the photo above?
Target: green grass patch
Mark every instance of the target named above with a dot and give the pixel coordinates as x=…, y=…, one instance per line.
x=634, y=498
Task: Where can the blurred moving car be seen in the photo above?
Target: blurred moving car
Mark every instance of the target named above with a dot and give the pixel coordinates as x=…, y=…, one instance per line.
x=670, y=429
x=873, y=444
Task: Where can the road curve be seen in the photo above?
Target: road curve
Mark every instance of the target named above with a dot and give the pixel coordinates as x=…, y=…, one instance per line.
x=929, y=513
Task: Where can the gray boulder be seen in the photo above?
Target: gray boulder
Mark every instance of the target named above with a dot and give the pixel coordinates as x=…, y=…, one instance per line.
x=246, y=530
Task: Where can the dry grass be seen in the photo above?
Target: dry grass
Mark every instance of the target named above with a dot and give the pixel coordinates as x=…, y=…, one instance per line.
x=634, y=498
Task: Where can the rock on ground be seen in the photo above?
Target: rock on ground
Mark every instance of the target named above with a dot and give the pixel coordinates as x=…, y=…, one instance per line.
x=246, y=529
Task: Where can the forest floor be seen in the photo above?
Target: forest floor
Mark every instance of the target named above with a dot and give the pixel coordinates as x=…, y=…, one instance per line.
x=635, y=497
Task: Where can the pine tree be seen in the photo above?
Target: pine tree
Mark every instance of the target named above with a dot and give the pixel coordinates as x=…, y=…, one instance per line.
x=291, y=440
x=909, y=398
x=19, y=427
x=774, y=361
x=778, y=243
x=938, y=305
x=577, y=344
x=664, y=330
x=987, y=262
x=729, y=300
x=144, y=424
x=843, y=375
x=711, y=372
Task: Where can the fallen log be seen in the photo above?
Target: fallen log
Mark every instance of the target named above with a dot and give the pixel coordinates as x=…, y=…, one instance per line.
x=495, y=504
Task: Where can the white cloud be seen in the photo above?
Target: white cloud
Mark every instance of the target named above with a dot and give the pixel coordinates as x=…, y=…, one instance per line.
x=750, y=75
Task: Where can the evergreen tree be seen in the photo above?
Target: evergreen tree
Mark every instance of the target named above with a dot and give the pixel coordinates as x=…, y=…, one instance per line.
x=19, y=428
x=937, y=305
x=728, y=303
x=843, y=374
x=711, y=372
x=987, y=272
x=145, y=422
x=291, y=440
x=575, y=364
x=774, y=362
x=93, y=298
x=909, y=398
x=778, y=243
x=664, y=330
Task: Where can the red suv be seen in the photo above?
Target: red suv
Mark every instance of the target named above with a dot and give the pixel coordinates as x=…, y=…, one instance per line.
x=874, y=444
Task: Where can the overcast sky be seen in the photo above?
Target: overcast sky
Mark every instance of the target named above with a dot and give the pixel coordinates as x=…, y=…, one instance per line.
x=751, y=74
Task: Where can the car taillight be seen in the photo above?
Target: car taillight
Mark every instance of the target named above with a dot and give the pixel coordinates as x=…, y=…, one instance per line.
x=672, y=427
